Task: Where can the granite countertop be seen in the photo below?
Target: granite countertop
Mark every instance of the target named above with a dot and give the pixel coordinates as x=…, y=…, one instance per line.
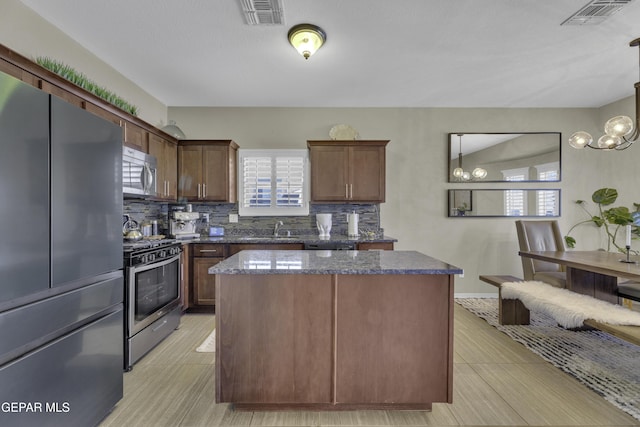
x=290, y=239
x=332, y=262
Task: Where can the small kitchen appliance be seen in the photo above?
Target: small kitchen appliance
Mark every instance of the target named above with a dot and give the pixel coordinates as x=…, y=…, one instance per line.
x=182, y=225
x=323, y=222
x=352, y=228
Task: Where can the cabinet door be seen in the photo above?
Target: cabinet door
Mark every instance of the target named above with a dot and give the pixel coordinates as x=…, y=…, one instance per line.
x=367, y=174
x=135, y=137
x=171, y=169
x=94, y=109
x=156, y=149
x=185, y=272
x=214, y=173
x=329, y=173
x=189, y=172
x=204, y=287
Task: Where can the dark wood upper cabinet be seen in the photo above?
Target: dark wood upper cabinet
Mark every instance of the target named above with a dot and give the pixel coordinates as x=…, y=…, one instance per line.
x=166, y=154
x=347, y=171
x=207, y=170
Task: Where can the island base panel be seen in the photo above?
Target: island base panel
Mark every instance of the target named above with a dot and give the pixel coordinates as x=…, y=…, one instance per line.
x=274, y=338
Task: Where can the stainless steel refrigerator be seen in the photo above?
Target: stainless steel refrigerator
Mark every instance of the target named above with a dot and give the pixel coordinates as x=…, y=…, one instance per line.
x=61, y=279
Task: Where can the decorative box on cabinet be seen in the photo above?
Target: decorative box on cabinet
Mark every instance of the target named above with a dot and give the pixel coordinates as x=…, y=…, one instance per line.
x=207, y=170
x=167, y=168
x=347, y=171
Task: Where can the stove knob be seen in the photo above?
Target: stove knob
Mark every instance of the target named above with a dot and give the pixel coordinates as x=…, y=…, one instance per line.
x=143, y=259
x=175, y=251
x=162, y=254
x=151, y=257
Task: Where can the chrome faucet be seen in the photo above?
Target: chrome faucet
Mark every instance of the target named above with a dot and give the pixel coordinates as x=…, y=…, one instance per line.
x=276, y=228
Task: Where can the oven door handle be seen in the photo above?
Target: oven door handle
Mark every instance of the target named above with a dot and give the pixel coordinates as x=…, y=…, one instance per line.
x=155, y=264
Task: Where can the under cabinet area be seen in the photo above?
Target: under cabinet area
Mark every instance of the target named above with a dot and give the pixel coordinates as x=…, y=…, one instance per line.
x=166, y=154
x=207, y=170
x=347, y=171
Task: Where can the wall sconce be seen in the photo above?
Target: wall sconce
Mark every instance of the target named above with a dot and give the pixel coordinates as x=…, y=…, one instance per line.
x=619, y=131
x=307, y=38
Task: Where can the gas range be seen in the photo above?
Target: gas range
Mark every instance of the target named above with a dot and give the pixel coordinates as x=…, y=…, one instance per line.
x=144, y=252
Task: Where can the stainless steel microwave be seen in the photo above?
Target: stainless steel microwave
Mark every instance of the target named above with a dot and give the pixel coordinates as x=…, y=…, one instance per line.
x=138, y=174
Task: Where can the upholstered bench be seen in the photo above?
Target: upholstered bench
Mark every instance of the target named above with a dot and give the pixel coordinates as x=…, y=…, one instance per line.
x=514, y=312
x=510, y=311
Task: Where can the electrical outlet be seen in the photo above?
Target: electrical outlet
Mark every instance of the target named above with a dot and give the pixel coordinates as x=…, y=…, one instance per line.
x=233, y=217
x=205, y=217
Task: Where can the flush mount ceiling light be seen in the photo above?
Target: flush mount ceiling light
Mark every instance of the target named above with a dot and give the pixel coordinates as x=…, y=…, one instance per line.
x=461, y=174
x=307, y=38
x=620, y=131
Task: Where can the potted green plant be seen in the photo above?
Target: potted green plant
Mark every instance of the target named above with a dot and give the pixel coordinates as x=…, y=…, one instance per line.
x=610, y=219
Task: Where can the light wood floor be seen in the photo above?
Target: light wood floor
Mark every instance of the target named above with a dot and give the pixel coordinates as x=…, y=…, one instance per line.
x=496, y=382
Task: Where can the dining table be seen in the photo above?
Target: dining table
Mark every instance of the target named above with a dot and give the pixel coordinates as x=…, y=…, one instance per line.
x=593, y=273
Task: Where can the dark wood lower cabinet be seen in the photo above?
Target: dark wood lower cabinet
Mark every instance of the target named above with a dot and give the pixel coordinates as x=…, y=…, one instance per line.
x=326, y=342
x=204, y=288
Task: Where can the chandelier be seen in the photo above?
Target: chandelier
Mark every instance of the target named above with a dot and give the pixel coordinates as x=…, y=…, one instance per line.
x=620, y=131
x=462, y=175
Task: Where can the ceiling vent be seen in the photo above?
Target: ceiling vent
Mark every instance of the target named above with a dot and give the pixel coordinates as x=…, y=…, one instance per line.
x=262, y=12
x=595, y=12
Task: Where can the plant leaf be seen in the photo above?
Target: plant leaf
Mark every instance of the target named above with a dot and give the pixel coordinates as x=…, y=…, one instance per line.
x=570, y=241
x=605, y=196
x=597, y=221
x=619, y=215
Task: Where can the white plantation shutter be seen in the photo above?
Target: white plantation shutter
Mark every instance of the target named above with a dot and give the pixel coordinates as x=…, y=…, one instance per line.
x=256, y=179
x=273, y=182
x=289, y=181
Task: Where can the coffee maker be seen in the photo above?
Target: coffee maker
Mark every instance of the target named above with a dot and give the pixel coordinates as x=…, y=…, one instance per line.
x=182, y=225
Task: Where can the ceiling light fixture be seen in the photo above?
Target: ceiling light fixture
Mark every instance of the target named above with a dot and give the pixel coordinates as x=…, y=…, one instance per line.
x=620, y=131
x=459, y=173
x=307, y=38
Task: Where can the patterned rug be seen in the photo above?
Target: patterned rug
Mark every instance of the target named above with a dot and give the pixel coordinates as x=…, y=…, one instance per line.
x=607, y=365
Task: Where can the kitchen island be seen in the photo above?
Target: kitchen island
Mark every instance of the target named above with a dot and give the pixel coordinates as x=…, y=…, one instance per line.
x=327, y=330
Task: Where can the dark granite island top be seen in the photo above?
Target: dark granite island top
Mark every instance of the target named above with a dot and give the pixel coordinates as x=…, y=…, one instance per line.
x=333, y=330
x=332, y=262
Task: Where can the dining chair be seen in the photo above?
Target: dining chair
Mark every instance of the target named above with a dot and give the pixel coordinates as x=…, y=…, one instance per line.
x=541, y=235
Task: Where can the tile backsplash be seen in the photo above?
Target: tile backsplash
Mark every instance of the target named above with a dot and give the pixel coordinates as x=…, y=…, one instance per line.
x=369, y=218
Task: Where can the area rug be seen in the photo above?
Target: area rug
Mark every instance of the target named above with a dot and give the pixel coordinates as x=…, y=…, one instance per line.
x=607, y=365
x=209, y=344
x=568, y=308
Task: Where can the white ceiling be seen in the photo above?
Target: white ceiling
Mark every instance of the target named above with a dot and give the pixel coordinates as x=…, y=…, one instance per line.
x=379, y=53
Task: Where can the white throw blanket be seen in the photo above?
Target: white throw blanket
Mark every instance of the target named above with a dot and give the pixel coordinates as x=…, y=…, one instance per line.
x=568, y=308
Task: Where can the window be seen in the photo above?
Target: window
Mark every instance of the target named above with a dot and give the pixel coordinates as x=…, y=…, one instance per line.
x=273, y=182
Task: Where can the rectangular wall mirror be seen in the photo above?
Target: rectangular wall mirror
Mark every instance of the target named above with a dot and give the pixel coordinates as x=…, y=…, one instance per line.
x=539, y=202
x=499, y=157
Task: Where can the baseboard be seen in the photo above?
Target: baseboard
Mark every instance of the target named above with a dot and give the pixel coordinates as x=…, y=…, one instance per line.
x=482, y=295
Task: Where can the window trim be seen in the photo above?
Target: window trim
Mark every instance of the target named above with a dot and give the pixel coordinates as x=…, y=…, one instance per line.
x=274, y=210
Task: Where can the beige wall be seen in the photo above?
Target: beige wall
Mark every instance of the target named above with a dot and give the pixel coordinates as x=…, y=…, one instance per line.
x=25, y=32
x=415, y=211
